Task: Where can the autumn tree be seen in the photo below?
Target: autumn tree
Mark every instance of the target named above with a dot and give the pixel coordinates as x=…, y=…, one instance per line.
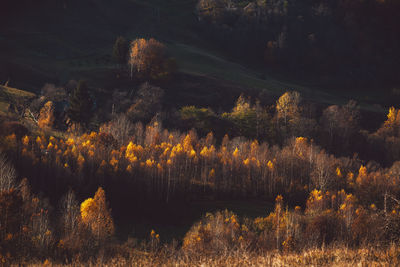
x=149, y=59
x=392, y=124
x=80, y=104
x=287, y=106
x=215, y=233
x=243, y=114
x=120, y=51
x=46, y=116
x=249, y=120
x=96, y=215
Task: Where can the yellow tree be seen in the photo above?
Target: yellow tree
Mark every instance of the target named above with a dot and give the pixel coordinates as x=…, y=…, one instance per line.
x=392, y=123
x=97, y=216
x=136, y=56
x=287, y=106
x=46, y=117
x=393, y=117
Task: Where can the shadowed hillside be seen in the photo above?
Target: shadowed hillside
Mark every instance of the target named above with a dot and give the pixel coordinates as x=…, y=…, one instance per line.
x=72, y=39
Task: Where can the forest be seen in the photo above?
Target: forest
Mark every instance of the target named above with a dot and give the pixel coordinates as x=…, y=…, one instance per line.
x=348, y=43
x=136, y=150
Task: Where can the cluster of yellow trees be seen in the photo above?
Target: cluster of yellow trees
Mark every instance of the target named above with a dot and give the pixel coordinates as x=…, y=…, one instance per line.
x=341, y=199
x=327, y=217
x=26, y=229
x=166, y=162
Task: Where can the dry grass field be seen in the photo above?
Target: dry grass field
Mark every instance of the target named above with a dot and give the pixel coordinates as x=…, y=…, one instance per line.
x=336, y=256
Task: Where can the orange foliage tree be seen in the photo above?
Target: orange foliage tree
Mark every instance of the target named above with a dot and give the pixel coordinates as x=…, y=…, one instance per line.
x=46, y=117
x=149, y=59
x=97, y=216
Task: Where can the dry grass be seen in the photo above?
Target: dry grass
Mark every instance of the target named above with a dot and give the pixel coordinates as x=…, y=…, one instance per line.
x=313, y=257
x=4, y=107
x=14, y=92
x=9, y=94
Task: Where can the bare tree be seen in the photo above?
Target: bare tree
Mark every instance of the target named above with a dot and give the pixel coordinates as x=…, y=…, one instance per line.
x=120, y=127
x=322, y=173
x=341, y=122
x=70, y=208
x=330, y=121
x=7, y=174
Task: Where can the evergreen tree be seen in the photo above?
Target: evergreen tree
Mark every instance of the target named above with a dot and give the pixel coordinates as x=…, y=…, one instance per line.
x=80, y=104
x=120, y=51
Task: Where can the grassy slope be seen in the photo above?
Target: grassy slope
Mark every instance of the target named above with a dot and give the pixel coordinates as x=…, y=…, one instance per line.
x=80, y=38
x=9, y=94
x=196, y=56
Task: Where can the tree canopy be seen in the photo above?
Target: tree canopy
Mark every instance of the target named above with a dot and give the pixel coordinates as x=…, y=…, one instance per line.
x=149, y=58
x=80, y=104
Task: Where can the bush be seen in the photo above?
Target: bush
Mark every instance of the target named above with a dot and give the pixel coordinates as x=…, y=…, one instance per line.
x=217, y=233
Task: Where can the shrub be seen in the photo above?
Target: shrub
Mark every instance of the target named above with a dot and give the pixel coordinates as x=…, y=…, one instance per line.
x=217, y=233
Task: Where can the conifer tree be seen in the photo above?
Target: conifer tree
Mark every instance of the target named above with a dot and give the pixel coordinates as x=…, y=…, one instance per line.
x=80, y=104
x=120, y=51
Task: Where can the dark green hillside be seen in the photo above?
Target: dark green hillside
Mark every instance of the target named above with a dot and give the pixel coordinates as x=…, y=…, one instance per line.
x=56, y=43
